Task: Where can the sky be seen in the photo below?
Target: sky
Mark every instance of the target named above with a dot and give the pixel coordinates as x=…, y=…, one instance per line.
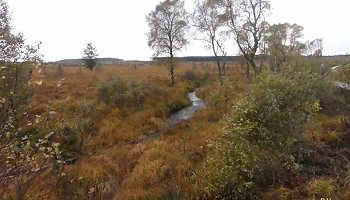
x=117, y=28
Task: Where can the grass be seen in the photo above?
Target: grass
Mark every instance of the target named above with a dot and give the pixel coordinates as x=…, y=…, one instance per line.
x=114, y=162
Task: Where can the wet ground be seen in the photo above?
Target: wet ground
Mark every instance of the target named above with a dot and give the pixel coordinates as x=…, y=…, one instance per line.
x=182, y=115
x=186, y=113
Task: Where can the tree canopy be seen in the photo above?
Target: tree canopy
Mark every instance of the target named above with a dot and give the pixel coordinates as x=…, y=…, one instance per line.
x=168, y=24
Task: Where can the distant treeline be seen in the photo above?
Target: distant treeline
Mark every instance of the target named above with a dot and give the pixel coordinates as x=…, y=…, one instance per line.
x=237, y=58
x=213, y=58
x=205, y=58
x=180, y=59
x=80, y=61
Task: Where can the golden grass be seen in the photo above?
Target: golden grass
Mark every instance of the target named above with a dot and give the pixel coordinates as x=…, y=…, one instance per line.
x=117, y=164
x=112, y=165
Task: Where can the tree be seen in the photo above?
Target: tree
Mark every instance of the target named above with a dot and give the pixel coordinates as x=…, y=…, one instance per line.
x=208, y=19
x=90, y=54
x=26, y=148
x=276, y=40
x=168, y=24
x=282, y=41
x=246, y=19
x=296, y=33
x=314, y=47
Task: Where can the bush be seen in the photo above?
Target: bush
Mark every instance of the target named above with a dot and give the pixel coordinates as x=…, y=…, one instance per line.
x=196, y=78
x=74, y=130
x=266, y=127
x=120, y=93
x=321, y=188
x=93, y=178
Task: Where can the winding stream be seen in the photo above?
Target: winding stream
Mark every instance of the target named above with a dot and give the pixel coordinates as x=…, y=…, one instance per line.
x=182, y=115
x=187, y=112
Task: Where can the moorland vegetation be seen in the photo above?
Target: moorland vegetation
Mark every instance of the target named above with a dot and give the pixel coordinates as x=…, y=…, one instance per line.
x=276, y=127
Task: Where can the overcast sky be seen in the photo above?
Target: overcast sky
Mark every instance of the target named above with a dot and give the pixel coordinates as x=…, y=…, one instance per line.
x=117, y=28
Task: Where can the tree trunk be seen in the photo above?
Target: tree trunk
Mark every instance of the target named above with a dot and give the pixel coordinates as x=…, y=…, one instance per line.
x=247, y=72
x=224, y=67
x=255, y=67
x=172, y=69
x=217, y=60
x=219, y=69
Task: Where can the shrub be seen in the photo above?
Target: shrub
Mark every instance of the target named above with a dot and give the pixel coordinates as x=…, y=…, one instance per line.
x=219, y=99
x=266, y=127
x=26, y=145
x=93, y=178
x=120, y=93
x=321, y=188
x=77, y=127
x=196, y=78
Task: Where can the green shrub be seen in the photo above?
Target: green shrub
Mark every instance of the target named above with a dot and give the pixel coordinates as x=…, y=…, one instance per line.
x=266, y=127
x=77, y=127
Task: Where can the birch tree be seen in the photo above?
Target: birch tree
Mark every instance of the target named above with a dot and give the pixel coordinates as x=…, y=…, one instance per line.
x=246, y=20
x=26, y=148
x=168, y=24
x=208, y=18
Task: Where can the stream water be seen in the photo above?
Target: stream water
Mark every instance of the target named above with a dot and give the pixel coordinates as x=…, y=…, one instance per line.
x=182, y=115
x=187, y=112
x=343, y=85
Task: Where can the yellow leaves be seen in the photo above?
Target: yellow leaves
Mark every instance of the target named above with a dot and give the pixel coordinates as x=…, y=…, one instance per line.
x=39, y=82
x=8, y=134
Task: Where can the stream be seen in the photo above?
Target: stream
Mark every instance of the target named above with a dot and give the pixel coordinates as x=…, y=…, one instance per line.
x=340, y=84
x=187, y=112
x=181, y=115
x=343, y=85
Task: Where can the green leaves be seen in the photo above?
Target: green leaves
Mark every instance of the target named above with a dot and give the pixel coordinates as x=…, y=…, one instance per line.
x=266, y=127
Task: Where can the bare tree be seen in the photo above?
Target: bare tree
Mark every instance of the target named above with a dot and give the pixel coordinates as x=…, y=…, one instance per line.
x=208, y=18
x=168, y=25
x=246, y=19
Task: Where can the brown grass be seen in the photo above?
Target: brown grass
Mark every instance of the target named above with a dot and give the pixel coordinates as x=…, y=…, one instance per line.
x=112, y=164
x=115, y=164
